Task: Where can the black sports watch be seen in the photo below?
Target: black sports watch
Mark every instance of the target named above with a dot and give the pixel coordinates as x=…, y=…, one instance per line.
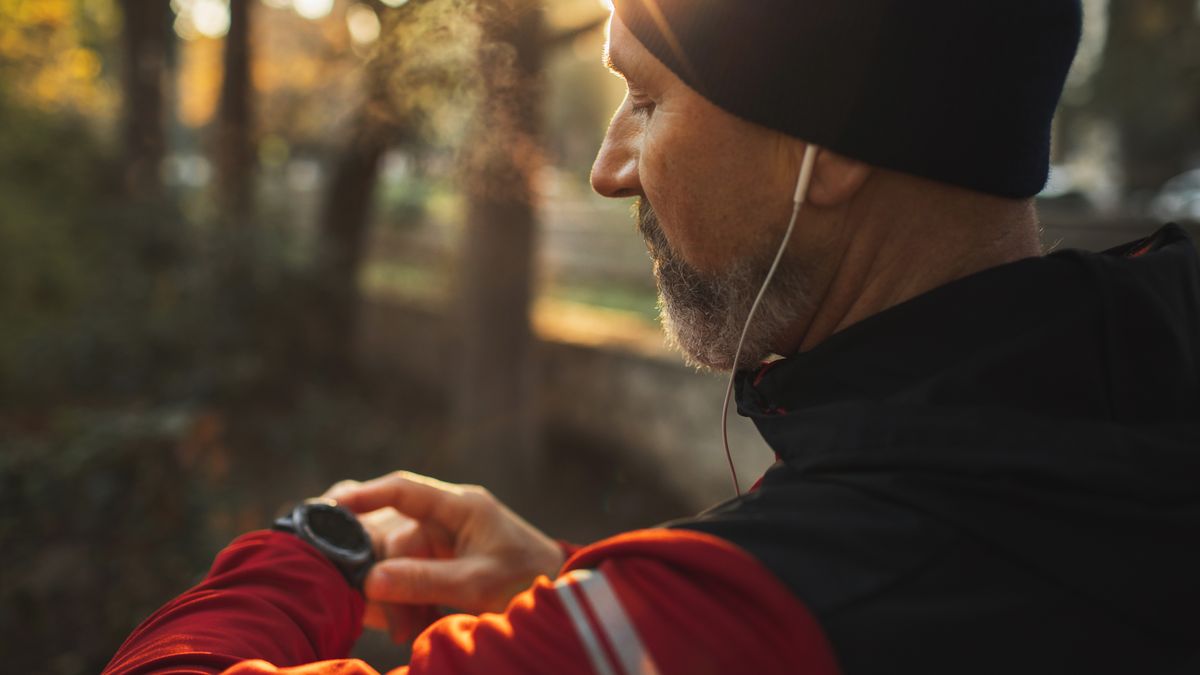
x=336, y=533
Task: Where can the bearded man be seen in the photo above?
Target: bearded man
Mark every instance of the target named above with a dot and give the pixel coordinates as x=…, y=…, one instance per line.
x=988, y=458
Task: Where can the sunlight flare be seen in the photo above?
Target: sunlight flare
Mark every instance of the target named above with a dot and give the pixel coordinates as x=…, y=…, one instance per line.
x=363, y=24
x=313, y=9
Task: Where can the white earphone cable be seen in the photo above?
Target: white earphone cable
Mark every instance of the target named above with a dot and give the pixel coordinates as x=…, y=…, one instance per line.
x=798, y=199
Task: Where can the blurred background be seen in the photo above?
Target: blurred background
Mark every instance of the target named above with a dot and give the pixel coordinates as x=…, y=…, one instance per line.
x=252, y=247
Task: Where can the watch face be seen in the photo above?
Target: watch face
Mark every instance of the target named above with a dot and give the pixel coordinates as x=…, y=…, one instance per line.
x=337, y=528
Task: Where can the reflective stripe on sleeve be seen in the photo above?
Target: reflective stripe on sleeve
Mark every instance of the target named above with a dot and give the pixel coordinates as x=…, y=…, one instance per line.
x=590, y=642
x=610, y=614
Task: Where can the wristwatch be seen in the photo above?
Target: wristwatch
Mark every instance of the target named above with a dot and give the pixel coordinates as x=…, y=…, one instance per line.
x=336, y=533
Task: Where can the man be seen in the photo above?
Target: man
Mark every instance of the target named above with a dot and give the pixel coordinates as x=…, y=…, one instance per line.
x=988, y=459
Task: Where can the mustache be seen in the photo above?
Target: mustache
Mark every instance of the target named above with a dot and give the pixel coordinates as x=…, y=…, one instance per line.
x=647, y=223
x=665, y=258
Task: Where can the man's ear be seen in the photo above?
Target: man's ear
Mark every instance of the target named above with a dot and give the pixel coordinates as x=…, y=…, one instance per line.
x=836, y=178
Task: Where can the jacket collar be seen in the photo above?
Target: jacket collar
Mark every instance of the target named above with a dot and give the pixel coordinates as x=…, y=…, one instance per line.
x=1026, y=335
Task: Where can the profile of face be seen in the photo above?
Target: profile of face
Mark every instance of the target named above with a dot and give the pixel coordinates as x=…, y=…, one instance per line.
x=714, y=198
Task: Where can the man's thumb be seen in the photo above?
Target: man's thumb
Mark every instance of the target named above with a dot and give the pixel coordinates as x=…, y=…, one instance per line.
x=422, y=581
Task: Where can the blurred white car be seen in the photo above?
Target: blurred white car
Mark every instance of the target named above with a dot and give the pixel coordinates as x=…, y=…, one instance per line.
x=1178, y=198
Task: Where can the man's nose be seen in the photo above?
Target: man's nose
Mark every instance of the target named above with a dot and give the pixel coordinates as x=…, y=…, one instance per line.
x=615, y=171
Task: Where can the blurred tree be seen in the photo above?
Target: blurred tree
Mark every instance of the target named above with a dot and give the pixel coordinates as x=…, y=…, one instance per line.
x=1149, y=85
x=235, y=145
x=53, y=53
x=345, y=215
x=147, y=39
x=498, y=439
x=498, y=434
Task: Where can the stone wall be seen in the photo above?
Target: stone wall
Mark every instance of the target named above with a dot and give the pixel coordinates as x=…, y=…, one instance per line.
x=651, y=410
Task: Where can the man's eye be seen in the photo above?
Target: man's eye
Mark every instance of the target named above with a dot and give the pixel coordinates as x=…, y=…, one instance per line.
x=641, y=107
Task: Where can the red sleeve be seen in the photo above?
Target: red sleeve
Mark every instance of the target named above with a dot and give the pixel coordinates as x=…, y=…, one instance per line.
x=702, y=605
x=268, y=596
x=695, y=603
x=532, y=636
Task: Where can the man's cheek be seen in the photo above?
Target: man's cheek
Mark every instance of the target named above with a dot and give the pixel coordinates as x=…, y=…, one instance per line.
x=684, y=235
x=672, y=174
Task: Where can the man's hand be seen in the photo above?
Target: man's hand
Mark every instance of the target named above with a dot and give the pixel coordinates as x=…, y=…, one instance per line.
x=441, y=544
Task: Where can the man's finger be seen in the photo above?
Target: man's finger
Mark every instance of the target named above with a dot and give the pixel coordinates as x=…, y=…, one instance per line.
x=383, y=524
x=415, y=496
x=340, y=488
x=374, y=616
x=407, y=542
x=416, y=581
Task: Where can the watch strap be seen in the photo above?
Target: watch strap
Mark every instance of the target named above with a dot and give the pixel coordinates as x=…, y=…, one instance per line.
x=353, y=570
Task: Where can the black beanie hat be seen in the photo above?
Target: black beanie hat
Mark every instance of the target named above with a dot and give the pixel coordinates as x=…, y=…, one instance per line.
x=960, y=91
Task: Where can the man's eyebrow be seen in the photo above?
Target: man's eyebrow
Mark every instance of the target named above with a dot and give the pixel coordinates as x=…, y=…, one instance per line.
x=612, y=65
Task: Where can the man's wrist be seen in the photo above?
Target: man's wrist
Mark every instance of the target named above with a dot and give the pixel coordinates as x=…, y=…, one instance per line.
x=568, y=549
x=335, y=533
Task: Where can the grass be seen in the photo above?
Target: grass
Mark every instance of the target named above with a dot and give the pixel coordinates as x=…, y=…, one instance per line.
x=426, y=284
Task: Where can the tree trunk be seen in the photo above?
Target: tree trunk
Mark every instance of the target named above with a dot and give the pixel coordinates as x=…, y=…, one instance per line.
x=145, y=45
x=346, y=214
x=1148, y=85
x=235, y=148
x=498, y=439
x=343, y=234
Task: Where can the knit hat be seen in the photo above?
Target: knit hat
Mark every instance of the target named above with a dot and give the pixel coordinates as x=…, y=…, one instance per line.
x=960, y=91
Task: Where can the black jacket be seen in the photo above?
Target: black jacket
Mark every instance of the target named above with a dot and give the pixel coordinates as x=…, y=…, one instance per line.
x=999, y=476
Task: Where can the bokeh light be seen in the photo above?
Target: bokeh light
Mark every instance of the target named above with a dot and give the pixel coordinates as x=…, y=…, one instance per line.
x=201, y=18
x=211, y=17
x=313, y=9
x=363, y=24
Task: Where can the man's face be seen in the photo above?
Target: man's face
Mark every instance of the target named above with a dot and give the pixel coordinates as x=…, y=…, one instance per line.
x=714, y=200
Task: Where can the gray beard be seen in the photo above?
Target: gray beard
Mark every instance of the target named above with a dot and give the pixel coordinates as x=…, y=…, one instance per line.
x=703, y=315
